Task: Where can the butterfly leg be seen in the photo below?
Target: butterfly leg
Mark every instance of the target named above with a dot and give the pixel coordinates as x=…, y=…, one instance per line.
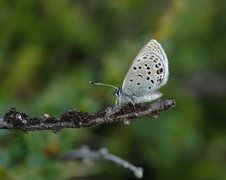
x=118, y=101
x=117, y=105
x=134, y=100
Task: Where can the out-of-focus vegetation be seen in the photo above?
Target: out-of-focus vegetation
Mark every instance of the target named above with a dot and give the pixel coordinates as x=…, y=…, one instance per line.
x=50, y=50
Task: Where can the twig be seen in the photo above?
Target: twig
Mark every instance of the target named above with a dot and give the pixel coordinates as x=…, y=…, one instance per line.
x=76, y=119
x=84, y=153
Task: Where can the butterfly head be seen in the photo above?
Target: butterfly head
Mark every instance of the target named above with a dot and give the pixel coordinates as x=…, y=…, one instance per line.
x=117, y=92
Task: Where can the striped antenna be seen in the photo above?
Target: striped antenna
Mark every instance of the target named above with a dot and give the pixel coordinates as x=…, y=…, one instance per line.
x=102, y=84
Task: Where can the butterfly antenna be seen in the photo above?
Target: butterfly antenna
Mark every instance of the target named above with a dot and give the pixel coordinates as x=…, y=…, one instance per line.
x=102, y=84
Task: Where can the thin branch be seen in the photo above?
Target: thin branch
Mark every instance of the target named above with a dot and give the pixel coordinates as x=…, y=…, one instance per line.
x=84, y=153
x=14, y=119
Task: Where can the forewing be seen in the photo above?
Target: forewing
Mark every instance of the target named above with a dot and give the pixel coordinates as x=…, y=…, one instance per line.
x=148, y=72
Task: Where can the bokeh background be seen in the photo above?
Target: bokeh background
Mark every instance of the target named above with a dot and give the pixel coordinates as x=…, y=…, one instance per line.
x=50, y=50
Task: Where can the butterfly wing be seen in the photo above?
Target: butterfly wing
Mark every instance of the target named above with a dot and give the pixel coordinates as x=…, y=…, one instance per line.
x=148, y=72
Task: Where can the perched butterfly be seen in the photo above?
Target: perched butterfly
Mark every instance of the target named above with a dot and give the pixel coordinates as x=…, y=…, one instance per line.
x=148, y=72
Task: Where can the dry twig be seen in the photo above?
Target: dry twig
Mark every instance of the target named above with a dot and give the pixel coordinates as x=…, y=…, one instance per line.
x=84, y=153
x=76, y=119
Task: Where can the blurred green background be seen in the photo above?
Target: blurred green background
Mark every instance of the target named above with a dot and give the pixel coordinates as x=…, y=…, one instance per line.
x=50, y=50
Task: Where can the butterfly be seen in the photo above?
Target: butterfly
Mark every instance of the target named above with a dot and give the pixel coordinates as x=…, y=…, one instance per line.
x=148, y=72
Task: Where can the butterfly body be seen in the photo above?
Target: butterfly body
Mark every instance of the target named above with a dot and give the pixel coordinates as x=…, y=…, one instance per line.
x=123, y=98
